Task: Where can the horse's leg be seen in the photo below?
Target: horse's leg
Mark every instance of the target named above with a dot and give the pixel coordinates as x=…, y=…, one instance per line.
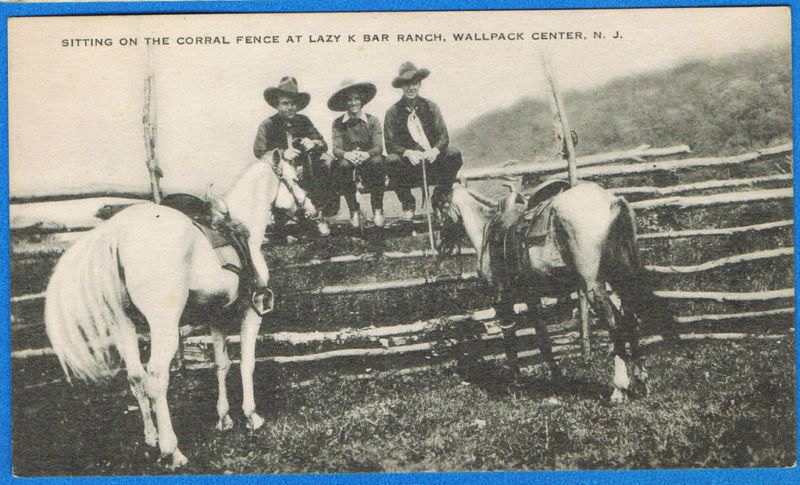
x=223, y=364
x=504, y=309
x=640, y=375
x=605, y=310
x=129, y=351
x=164, y=336
x=161, y=302
x=545, y=346
x=249, y=332
x=583, y=301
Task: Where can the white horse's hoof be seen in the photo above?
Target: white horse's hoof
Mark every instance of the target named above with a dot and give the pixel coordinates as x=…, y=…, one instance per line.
x=254, y=421
x=178, y=460
x=224, y=424
x=151, y=439
x=618, y=396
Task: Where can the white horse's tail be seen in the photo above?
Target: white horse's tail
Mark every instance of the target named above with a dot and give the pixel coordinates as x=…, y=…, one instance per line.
x=84, y=308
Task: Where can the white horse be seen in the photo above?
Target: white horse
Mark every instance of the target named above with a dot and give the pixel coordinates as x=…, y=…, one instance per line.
x=591, y=242
x=151, y=258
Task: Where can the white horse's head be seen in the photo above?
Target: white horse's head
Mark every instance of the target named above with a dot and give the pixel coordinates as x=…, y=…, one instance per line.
x=460, y=211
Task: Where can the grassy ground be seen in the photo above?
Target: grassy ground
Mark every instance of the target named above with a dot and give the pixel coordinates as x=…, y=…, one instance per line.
x=711, y=405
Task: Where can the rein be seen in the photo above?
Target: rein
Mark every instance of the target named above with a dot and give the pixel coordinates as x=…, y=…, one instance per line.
x=311, y=212
x=484, y=244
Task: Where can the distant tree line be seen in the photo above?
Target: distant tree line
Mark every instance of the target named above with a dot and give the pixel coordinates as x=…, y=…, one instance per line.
x=718, y=107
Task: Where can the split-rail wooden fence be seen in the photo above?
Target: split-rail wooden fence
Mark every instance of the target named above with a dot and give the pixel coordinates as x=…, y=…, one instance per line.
x=716, y=232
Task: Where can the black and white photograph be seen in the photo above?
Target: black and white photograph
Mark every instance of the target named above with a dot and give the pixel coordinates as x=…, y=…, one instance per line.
x=392, y=242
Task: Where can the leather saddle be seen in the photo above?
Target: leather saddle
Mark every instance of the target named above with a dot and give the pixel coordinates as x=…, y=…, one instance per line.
x=523, y=220
x=229, y=238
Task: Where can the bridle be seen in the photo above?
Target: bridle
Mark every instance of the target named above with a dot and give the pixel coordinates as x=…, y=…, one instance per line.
x=447, y=219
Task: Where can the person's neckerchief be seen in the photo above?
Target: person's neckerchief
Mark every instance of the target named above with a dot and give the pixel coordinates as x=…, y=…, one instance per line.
x=415, y=127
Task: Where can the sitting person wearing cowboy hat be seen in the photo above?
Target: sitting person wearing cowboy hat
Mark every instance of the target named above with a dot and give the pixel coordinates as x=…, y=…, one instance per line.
x=302, y=146
x=416, y=134
x=358, y=149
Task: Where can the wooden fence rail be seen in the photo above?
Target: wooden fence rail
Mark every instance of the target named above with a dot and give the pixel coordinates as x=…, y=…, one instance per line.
x=586, y=170
x=707, y=185
x=721, y=262
x=723, y=296
x=716, y=199
x=124, y=191
x=513, y=168
x=717, y=231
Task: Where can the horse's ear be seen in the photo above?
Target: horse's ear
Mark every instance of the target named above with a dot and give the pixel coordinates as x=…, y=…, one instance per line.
x=217, y=205
x=276, y=156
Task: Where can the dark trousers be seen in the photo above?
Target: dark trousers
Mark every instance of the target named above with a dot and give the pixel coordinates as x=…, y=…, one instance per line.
x=372, y=173
x=403, y=175
x=316, y=180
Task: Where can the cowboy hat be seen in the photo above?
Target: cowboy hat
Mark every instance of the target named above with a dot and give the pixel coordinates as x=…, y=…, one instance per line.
x=409, y=73
x=338, y=102
x=287, y=87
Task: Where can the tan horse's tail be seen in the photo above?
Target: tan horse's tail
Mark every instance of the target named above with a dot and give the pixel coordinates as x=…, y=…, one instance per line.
x=627, y=275
x=84, y=308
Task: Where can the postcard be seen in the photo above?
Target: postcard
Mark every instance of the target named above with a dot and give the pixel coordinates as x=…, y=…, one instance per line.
x=392, y=242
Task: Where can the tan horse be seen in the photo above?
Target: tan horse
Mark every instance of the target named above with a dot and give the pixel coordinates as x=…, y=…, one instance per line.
x=152, y=259
x=591, y=242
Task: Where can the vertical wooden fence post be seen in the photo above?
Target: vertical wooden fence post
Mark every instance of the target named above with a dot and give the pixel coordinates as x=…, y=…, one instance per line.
x=149, y=122
x=568, y=151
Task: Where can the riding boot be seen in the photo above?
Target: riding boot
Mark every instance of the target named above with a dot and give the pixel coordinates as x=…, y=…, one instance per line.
x=352, y=201
x=407, y=202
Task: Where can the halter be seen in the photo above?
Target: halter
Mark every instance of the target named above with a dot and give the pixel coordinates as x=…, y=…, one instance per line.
x=447, y=208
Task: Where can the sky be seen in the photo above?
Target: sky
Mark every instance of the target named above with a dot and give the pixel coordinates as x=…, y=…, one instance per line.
x=75, y=112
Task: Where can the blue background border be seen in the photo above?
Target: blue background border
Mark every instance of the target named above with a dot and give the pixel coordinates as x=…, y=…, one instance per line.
x=500, y=478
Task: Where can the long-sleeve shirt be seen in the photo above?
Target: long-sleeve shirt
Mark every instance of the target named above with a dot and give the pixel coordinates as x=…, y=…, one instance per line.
x=395, y=126
x=272, y=133
x=363, y=133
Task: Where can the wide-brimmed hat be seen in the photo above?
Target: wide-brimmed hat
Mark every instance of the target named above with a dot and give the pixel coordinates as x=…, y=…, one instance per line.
x=287, y=87
x=338, y=102
x=409, y=73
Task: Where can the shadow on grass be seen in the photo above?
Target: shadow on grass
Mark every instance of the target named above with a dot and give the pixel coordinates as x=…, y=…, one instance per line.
x=500, y=381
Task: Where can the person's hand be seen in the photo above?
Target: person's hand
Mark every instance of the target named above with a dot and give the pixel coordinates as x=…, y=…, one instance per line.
x=308, y=143
x=361, y=156
x=413, y=156
x=351, y=157
x=290, y=154
x=431, y=154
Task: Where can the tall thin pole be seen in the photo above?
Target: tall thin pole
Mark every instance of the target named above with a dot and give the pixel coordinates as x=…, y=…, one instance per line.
x=561, y=119
x=149, y=122
x=562, y=125
x=428, y=207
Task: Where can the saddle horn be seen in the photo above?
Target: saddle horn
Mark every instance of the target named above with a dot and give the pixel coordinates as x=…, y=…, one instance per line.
x=217, y=206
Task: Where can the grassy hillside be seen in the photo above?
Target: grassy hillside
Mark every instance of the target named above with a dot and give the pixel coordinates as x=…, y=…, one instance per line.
x=718, y=107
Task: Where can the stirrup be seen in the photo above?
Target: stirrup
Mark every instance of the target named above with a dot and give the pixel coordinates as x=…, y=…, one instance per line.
x=259, y=297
